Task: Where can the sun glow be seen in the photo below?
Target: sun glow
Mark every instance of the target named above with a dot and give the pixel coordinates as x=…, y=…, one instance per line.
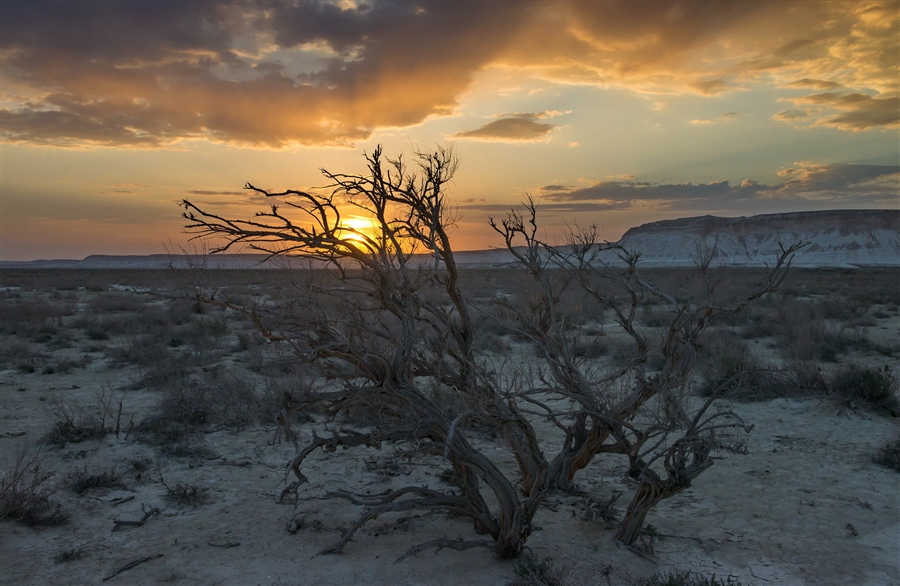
x=358, y=228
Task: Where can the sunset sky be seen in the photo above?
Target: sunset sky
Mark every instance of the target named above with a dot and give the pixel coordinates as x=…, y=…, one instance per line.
x=614, y=113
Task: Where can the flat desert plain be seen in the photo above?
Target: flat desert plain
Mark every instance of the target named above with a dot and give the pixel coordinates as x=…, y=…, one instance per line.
x=98, y=366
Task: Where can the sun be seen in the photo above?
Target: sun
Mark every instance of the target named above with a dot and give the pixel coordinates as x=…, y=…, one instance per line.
x=357, y=228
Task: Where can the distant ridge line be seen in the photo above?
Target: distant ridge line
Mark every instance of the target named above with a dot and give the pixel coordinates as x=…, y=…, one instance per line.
x=836, y=238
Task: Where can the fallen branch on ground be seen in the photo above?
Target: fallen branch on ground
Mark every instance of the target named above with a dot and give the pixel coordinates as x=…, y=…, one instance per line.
x=147, y=514
x=130, y=565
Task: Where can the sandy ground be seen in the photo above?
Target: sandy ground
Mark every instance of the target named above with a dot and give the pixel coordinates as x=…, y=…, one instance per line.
x=805, y=505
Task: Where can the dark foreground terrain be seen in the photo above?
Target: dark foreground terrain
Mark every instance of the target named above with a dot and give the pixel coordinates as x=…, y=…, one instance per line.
x=137, y=424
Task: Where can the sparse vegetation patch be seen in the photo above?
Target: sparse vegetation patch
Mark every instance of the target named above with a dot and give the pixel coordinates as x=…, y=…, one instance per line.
x=25, y=491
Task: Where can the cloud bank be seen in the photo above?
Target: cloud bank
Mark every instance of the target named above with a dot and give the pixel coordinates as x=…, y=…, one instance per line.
x=837, y=184
x=148, y=74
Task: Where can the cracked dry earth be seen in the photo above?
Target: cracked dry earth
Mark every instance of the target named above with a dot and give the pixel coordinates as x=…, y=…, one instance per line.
x=805, y=505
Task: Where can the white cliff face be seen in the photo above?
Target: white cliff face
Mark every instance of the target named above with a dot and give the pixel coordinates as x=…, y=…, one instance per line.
x=836, y=238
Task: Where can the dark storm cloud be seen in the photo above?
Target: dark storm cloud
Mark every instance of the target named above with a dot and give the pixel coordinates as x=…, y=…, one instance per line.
x=145, y=74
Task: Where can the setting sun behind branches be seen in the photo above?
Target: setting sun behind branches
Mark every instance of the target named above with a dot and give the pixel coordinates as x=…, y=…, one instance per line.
x=358, y=228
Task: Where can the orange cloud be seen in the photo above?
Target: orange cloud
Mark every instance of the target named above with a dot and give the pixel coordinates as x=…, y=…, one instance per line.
x=330, y=73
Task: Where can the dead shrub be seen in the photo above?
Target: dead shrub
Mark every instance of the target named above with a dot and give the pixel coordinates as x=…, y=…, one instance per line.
x=25, y=492
x=76, y=423
x=378, y=330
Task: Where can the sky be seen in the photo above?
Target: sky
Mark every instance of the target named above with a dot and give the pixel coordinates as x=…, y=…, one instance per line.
x=608, y=113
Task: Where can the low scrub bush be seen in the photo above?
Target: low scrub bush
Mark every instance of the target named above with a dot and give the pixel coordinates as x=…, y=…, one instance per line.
x=29, y=317
x=144, y=350
x=25, y=492
x=77, y=424
x=171, y=369
x=537, y=572
x=115, y=302
x=590, y=348
x=732, y=369
x=68, y=432
x=20, y=354
x=81, y=480
x=69, y=555
x=889, y=455
x=102, y=327
x=874, y=388
x=687, y=578
x=186, y=403
x=205, y=332
x=64, y=365
x=188, y=494
x=219, y=397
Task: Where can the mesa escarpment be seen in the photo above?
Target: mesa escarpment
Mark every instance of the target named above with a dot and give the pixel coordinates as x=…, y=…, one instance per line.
x=836, y=238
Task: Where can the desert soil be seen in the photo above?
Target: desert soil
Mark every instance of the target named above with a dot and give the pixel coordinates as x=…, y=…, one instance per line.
x=804, y=505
